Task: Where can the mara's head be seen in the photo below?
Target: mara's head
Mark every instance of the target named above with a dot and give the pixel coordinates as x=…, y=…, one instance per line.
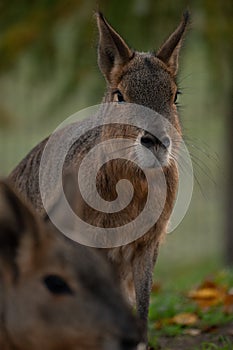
x=54, y=295
x=146, y=79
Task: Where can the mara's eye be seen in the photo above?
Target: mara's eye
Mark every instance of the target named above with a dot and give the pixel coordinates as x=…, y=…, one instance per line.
x=176, y=96
x=57, y=285
x=119, y=96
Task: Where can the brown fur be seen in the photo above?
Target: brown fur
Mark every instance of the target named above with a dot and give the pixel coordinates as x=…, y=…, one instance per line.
x=91, y=314
x=149, y=80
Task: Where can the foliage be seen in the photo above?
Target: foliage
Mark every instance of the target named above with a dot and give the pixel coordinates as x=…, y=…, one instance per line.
x=199, y=311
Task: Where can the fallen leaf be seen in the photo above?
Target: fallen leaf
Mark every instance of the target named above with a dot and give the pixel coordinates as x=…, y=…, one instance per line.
x=205, y=293
x=210, y=329
x=208, y=294
x=208, y=283
x=159, y=324
x=192, y=331
x=185, y=319
x=228, y=304
x=156, y=287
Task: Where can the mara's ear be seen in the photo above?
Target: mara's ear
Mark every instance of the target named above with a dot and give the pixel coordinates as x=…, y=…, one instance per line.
x=112, y=51
x=169, y=52
x=17, y=222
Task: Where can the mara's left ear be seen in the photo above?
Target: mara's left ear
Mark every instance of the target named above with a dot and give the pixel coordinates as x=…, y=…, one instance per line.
x=18, y=225
x=112, y=51
x=169, y=52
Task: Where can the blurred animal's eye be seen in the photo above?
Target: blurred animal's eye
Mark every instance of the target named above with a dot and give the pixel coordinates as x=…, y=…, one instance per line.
x=119, y=96
x=57, y=285
x=176, y=96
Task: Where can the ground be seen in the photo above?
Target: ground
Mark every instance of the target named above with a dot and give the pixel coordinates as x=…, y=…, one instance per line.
x=217, y=338
x=196, y=318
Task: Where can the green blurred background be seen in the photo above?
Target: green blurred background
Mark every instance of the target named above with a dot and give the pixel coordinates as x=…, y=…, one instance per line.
x=48, y=70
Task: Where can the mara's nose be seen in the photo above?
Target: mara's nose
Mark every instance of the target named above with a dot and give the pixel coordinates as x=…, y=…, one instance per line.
x=149, y=141
x=129, y=344
x=166, y=141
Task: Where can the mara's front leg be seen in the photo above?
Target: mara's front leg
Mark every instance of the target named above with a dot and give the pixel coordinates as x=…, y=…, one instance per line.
x=143, y=266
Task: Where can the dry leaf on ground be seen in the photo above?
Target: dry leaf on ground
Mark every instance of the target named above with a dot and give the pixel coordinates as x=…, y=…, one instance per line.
x=185, y=319
x=208, y=294
x=228, y=304
x=192, y=331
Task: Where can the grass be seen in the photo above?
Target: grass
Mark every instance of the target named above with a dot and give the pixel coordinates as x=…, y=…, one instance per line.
x=226, y=344
x=168, y=303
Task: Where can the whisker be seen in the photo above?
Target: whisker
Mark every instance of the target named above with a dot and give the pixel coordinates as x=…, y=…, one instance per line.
x=195, y=177
x=198, y=161
x=211, y=156
x=181, y=161
x=122, y=149
x=181, y=79
x=202, y=169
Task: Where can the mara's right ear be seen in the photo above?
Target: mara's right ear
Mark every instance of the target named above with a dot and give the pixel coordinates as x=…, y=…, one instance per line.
x=113, y=52
x=17, y=222
x=169, y=52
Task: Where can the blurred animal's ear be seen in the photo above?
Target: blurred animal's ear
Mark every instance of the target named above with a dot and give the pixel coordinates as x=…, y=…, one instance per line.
x=113, y=52
x=17, y=225
x=67, y=205
x=169, y=52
